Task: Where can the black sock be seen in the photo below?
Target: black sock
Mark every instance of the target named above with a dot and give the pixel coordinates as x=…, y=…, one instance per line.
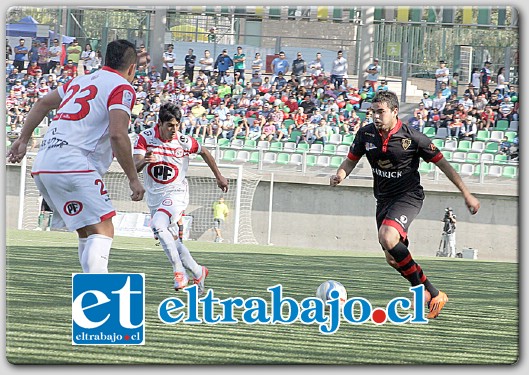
x=406, y=264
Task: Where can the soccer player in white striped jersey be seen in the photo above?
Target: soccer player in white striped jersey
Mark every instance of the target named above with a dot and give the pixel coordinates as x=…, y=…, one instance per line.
x=90, y=127
x=162, y=152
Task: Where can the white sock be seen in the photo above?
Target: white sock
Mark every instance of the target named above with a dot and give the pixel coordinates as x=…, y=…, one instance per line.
x=80, y=250
x=96, y=253
x=169, y=246
x=188, y=261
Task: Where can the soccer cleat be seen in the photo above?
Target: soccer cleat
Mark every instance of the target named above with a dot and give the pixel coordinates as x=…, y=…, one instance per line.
x=436, y=305
x=200, y=281
x=180, y=280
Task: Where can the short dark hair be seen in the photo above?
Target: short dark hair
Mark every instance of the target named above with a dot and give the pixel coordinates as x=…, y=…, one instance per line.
x=169, y=111
x=120, y=54
x=388, y=97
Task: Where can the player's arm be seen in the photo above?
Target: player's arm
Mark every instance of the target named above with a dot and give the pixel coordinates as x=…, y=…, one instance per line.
x=122, y=149
x=222, y=182
x=471, y=201
x=343, y=171
x=35, y=116
x=141, y=160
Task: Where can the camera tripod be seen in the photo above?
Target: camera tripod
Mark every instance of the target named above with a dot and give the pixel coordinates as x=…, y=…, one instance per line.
x=445, y=246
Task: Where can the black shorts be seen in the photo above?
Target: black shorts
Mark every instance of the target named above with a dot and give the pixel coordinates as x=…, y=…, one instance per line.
x=399, y=212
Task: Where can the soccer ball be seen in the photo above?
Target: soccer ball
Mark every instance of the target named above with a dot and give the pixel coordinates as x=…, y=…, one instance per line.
x=324, y=291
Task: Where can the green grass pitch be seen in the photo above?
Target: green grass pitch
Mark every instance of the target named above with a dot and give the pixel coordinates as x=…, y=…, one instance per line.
x=479, y=325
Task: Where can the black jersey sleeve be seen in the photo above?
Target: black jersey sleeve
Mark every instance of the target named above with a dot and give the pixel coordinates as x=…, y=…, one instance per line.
x=358, y=147
x=427, y=150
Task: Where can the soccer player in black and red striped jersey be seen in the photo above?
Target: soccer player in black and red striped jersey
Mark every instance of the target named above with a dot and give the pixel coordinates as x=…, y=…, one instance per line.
x=394, y=150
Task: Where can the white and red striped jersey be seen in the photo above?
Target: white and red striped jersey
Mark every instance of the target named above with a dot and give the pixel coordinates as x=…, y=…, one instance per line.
x=78, y=139
x=168, y=173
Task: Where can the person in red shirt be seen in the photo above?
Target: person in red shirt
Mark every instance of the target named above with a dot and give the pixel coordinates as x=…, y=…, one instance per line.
x=34, y=69
x=70, y=69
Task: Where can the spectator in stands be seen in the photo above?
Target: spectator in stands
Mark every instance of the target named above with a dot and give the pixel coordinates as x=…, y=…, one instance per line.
x=486, y=91
x=33, y=54
x=469, y=129
x=9, y=50
x=441, y=76
x=223, y=63
x=488, y=118
x=268, y=131
x=383, y=86
x=445, y=90
x=486, y=74
x=70, y=69
x=279, y=64
x=43, y=57
x=257, y=64
x=88, y=56
x=373, y=72
x=73, y=52
x=21, y=53
x=417, y=121
x=439, y=102
x=367, y=92
x=453, y=83
x=34, y=70
x=189, y=64
x=144, y=59
x=239, y=64
x=506, y=110
x=501, y=82
x=454, y=127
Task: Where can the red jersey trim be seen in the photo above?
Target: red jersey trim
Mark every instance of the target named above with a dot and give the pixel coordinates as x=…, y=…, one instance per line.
x=108, y=216
x=397, y=226
x=165, y=211
x=391, y=132
x=437, y=157
x=352, y=156
x=116, y=96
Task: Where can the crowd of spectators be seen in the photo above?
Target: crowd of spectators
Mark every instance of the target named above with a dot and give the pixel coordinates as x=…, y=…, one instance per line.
x=230, y=97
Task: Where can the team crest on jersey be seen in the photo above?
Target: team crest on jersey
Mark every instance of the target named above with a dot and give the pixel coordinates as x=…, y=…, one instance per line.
x=370, y=146
x=433, y=147
x=406, y=143
x=72, y=208
x=167, y=202
x=127, y=98
x=179, y=152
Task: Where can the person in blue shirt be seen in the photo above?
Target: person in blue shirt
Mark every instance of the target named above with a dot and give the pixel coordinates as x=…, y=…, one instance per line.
x=223, y=63
x=279, y=64
x=21, y=52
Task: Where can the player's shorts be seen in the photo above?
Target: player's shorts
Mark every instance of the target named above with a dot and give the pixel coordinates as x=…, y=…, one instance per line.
x=217, y=223
x=399, y=212
x=173, y=205
x=77, y=200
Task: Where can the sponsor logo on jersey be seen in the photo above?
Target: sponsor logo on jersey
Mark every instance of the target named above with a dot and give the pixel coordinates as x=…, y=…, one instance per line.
x=108, y=309
x=403, y=220
x=163, y=172
x=433, y=147
x=406, y=143
x=72, y=208
x=167, y=202
x=369, y=134
x=384, y=164
x=387, y=174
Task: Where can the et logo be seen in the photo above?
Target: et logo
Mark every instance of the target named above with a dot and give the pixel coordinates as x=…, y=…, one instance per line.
x=108, y=309
x=163, y=172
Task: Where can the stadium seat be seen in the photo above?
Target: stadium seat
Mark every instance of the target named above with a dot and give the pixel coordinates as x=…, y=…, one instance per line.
x=429, y=131
x=316, y=148
x=283, y=158
x=448, y=155
x=450, y=145
x=237, y=143
x=439, y=143
x=467, y=169
x=496, y=136
x=342, y=149
x=288, y=123
x=254, y=157
x=243, y=156
x=296, y=159
x=250, y=144
x=310, y=160
x=477, y=146
x=473, y=157
x=510, y=171
x=210, y=142
x=302, y=147
x=464, y=146
x=426, y=167
x=441, y=133
x=276, y=146
x=269, y=157
x=229, y=155
x=335, y=139
x=459, y=156
x=323, y=160
x=513, y=126
x=482, y=135
x=502, y=125
x=294, y=135
x=486, y=158
x=492, y=147
x=336, y=161
x=289, y=147
x=263, y=145
x=348, y=139
x=500, y=158
x=477, y=170
x=510, y=135
x=223, y=142
x=329, y=149
x=495, y=171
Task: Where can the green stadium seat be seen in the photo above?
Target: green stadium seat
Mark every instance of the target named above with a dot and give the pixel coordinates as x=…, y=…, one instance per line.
x=250, y=144
x=276, y=146
x=311, y=160
x=473, y=157
x=288, y=123
x=283, y=158
x=510, y=171
x=429, y=131
x=448, y=155
x=303, y=147
x=492, y=147
x=254, y=157
x=502, y=125
x=464, y=146
x=510, y=135
x=483, y=135
x=501, y=158
x=329, y=149
x=439, y=143
x=348, y=139
x=229, y=155
x=477, y=170
x=336, y=161
x=456, y=166
x=426, y=167
x=223, y=142
x=294, y=135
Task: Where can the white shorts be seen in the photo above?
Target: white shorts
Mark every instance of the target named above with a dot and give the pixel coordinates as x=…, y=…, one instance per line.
x=173, y=205
x=77, y=199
